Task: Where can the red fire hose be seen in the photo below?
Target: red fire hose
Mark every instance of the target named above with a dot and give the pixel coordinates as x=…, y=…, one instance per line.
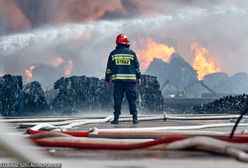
x=72, y=133
x=77, y=143
x=141, y=134
x=109, y=146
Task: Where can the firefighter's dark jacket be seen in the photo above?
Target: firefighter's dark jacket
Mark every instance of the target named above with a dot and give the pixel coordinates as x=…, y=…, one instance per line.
x=122, y=65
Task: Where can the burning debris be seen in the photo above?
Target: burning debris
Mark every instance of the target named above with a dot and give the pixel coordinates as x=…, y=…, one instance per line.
x=203, y=63
x=228, y=104
x=177, y=77
x=45, y=73
x=40, y=27
x=52, y=47
x=29, y=72
x=153, y=50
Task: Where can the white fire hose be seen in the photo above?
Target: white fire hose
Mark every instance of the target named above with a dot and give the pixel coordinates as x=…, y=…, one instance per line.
x=12, y=145
x=70, y=124
x=208, y=144
x=190, y=127
x=65, y=125
x=220, y=117
x=87, y=121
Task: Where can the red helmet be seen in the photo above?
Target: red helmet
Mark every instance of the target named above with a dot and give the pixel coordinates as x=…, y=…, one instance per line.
x=122, y=39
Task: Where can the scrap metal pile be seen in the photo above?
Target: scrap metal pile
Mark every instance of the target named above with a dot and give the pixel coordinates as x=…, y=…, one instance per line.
x=74, y=94
x=18, y=100
x=33, y=98
x=227, y=104
x=10, y=94
x=91, y=94
x=80, y=93
x=177, y=75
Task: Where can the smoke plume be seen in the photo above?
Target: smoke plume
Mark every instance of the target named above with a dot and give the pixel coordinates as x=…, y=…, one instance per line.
x=82, y=33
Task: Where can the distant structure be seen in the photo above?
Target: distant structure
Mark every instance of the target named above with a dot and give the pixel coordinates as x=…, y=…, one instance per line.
x=178, y=79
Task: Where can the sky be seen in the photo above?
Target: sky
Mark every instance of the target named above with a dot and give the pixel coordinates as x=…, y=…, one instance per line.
x=75, y=37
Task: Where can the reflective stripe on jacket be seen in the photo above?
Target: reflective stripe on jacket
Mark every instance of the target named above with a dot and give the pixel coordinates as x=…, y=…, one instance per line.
x=122, y=65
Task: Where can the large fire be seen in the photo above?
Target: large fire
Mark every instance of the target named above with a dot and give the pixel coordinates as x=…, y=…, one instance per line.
x=153, y=50
x=202, y=63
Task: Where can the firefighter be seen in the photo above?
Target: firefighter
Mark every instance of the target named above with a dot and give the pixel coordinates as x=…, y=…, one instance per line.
x=123, y=70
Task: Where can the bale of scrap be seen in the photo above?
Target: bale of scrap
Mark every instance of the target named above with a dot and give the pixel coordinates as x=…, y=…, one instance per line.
x=33, y=98
x=81, y=93
x=150, y=97
x=227, y=104
x=10, y=94
x=74, y=94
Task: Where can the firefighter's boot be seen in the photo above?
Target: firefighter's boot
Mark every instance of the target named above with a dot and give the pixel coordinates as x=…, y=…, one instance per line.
x=135, y=119
x=116, y=120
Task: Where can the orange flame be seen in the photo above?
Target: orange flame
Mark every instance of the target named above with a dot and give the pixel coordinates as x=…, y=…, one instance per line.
x=29, y=72
x=57, y=62
x=154, y=50
x=202, y=63
x=69, y=67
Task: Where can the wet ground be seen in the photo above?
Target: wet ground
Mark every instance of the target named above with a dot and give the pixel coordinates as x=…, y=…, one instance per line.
x=142, y=158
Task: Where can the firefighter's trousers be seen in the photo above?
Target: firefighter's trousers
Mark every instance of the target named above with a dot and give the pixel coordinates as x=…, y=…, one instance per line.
x=120, y=88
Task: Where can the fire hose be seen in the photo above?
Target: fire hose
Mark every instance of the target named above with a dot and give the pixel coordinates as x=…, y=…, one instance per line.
x=237, y=151
x=97, y=133
x=237, y=122
x=63, y=128
x=72, y=123
x=164, y=140
x=151, y=132
x=235, y=147
x=69, y=121
x=225, y=117
x=190, y=127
